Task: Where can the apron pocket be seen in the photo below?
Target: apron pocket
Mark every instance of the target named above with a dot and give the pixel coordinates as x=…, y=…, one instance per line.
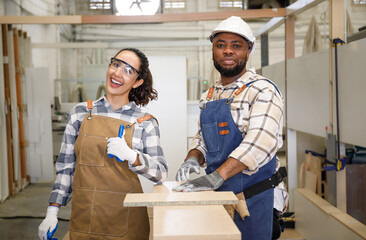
x=93, y=156
x=210, y=133
x=81, y=210
x=108, y=215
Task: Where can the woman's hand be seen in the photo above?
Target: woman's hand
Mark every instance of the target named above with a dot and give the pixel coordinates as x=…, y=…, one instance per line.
x=118, y=147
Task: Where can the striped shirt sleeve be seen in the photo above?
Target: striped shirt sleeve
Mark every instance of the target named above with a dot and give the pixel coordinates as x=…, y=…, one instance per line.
x=66, y=161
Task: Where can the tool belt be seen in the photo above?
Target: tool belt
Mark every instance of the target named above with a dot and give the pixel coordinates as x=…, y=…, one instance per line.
x=253, y=190
x=265, y=184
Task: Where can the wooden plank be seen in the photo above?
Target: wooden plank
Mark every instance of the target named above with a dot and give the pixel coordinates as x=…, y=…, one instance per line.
x=158, y=18
x=23, y=171
x=182, y=17
x=71, y=45
x=290, y=37
x=179, y=199
x=14, y=107
x=321, y=203
x=4, y=188
x=40, y=19
x=336, y=24
x=356, y=226
x=9, y=128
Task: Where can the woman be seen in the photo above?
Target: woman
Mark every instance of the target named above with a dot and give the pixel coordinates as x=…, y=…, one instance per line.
x=97, y=182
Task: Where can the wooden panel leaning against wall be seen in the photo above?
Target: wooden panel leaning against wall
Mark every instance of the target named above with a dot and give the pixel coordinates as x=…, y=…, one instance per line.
x=8, y=111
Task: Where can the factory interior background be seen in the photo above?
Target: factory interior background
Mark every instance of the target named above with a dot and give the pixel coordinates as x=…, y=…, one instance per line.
x=55, y=53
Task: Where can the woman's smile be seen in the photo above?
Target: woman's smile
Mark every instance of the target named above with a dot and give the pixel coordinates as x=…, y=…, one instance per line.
x=115, y=83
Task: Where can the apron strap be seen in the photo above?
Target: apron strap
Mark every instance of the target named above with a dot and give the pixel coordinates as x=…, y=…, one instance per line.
x=146, y=117
x=142, y=119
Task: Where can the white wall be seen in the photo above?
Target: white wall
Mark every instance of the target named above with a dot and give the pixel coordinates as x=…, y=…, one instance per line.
x=169, y=76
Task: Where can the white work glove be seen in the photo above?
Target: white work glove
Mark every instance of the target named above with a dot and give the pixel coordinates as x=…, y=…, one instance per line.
x=189, y=166
x=49, y=225
x=208, y=182
x=118, y=147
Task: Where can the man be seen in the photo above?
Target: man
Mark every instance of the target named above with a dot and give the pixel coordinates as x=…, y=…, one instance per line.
x=240, y=132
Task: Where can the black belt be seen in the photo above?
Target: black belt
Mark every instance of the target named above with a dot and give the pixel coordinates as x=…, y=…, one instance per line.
x=265, y=184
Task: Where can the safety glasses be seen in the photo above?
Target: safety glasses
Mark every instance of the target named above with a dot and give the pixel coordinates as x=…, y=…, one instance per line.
x=127, y=69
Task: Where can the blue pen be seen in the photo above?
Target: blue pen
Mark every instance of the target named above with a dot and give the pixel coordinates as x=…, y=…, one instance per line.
x=120, y=134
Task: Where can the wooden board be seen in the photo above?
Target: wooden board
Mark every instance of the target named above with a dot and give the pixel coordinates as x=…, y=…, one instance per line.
x=8, y=115
x=191, y=222
x=157, y=18
x=17, y=62
x=4, y=190
x=179, y=199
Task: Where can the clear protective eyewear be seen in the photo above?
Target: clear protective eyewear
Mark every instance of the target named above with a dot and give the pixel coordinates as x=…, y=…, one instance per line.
x=127, y=69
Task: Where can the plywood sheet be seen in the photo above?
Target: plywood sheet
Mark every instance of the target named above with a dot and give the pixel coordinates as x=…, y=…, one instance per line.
x=310, y=181
x=193, y=222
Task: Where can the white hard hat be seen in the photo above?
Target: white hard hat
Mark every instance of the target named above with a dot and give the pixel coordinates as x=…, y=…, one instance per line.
x=237, y=26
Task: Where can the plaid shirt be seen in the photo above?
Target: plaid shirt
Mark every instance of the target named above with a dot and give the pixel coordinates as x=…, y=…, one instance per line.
x=145, y=141
x=257, y=113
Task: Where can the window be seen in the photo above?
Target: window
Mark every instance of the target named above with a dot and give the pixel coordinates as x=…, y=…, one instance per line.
x=174, y=4
x=231, y=4
x=99, y=4
x=359, y=2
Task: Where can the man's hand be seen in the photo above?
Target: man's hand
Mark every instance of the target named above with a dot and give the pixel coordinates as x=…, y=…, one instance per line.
x=49, y=224
x=189, y=166
x=208, y=182
x=118, y=147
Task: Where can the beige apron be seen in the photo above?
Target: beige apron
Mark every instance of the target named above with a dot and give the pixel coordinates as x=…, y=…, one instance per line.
x=100, y=185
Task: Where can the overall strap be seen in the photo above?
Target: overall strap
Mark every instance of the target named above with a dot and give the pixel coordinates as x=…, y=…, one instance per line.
x=237, y=92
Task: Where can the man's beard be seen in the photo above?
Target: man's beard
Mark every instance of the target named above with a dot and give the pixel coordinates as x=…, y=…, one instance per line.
x=231, y=72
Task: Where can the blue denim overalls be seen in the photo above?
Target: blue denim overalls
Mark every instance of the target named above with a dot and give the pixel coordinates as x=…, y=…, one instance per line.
x=221, y=137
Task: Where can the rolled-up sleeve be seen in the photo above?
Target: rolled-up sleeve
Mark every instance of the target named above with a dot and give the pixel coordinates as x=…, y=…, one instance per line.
x=263, y=131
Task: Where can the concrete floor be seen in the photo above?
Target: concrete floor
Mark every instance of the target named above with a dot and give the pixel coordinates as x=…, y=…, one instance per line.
x=21, y=215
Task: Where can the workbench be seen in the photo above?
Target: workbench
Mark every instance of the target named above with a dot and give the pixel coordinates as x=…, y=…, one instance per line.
x=185, y=216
